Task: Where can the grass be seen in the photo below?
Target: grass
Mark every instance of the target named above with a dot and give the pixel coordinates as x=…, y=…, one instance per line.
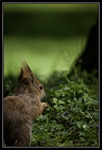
x=72, y=119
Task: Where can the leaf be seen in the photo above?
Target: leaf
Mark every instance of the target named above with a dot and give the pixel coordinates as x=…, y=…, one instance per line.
x=61, y=102
x=55, y=100
x=95, y=102
x=61, y=107
x=61, y=133
x=79, y=123
x=94, y=114
x=66, y=88
x=65, y=117
x=82, y=139
x=84, y=126
x=56, y=107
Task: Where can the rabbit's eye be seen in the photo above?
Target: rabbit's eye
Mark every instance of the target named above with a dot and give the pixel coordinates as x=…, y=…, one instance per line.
x=40, y=87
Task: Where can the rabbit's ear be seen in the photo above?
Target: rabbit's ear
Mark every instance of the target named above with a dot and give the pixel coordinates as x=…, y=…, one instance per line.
x=28, y=71
x=21, y=74
x=26, y=68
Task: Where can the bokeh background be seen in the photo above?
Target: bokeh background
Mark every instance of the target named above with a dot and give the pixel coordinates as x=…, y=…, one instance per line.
x=47, y=36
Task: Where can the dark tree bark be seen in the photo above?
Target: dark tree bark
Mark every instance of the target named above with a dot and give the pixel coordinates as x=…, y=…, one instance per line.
x=89, y=58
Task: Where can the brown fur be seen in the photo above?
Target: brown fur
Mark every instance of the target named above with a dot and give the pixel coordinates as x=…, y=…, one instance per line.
x=23, y=107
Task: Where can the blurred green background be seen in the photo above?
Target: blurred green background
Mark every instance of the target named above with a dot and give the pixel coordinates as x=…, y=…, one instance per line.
x=47, y=36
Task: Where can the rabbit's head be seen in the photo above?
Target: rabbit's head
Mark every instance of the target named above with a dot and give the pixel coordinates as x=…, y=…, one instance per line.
x=30, y=82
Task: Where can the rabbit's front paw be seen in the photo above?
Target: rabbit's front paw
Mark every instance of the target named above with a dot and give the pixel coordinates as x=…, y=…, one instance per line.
x=44, y=105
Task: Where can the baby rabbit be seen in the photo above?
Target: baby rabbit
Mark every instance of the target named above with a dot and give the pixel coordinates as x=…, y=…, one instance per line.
x=23, y=107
